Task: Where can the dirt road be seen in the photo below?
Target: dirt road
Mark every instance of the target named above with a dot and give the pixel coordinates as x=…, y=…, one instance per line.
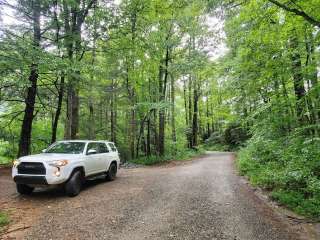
x=199, y=199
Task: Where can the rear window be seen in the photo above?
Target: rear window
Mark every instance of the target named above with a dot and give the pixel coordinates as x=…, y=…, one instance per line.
x=103, y=148
x=99, y=147
x=113, y=147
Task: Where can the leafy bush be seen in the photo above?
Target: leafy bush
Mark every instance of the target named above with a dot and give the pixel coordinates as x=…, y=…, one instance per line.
x=288, y=166
x=5, y=152
x=235, y=135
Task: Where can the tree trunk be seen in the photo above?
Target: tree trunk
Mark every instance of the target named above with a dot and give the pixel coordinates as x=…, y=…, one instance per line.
x=297, y=77
x=58, y=110
x=163, y=79
x=72, y=123
x=113, y=113
x=113, y=120
x=148, y=147
x=311, y=63
x=91, y=123
x=189, y=133
x=173, y=113
x=185, y=102
x=207, y=115
x=26, y=128
x=73, y=21
x=195, y=118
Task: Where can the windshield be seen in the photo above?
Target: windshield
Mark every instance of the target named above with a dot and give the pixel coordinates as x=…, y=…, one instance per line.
x=67, y=147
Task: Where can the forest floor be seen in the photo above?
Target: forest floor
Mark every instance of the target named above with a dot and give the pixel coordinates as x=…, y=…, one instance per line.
x=199, y=199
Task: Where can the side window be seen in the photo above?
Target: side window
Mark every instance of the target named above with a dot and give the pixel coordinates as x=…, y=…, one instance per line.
x=93, y=146
x=113, y=148
x=103, y=148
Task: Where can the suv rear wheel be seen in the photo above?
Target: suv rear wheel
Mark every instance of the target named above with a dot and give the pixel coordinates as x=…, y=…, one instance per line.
x=112, y=172
x=24, y=189
x=74, y=184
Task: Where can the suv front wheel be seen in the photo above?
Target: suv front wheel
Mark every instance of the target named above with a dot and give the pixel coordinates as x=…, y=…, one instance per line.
x=112, y=172
x=74, y=184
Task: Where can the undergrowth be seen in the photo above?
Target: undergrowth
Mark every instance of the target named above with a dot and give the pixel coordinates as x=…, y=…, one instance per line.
x=4, y=219
x=179, y=156
x=289, y=167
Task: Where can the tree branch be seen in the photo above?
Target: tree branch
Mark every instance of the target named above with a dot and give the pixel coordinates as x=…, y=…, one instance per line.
x=298, y=12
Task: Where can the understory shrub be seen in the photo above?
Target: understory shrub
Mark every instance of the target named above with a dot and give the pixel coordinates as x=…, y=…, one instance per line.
x=233, y=137
x=182, y=154
x=289, y=167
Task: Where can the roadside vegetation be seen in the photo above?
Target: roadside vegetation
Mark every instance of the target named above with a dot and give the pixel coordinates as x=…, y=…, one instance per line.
x=4, y=220
x=289, y=167
x=187, y=154
x=272, y=81
x=147, y=75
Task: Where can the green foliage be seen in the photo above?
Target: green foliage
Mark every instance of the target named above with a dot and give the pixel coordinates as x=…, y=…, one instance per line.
x=4, y=153
x=4, y=219
x=296, y=201
x=266, y=64
x=125, y=65
x=231, y=138
x=183, y=154
x=289, y=167
x=235, y=135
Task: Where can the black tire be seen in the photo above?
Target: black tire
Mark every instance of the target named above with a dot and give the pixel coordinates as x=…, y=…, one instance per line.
x=74, y=184
x=24, y=189
x=112, y=172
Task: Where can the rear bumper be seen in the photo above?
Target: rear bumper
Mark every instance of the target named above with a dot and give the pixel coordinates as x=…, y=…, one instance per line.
x=38, y=180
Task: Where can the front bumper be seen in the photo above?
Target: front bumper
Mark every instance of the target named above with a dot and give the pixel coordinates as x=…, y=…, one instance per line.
x=24, y=179
x=48, y=179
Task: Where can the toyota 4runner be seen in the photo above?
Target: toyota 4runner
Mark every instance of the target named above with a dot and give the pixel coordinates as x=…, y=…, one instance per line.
x=66, y=163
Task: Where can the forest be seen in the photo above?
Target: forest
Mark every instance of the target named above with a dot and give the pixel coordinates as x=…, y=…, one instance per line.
x=167, y=79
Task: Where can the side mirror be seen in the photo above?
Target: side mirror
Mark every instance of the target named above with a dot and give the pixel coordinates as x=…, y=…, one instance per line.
x=44, y=150
x=92, y=151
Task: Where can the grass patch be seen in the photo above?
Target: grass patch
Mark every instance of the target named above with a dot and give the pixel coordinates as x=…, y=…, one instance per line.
x=179, y=156
x=4, y=219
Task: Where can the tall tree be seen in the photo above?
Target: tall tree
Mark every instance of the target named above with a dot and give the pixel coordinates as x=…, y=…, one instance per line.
x=26, y=128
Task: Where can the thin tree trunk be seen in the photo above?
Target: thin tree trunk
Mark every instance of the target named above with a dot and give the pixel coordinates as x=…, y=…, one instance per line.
x=91, y=122
x=113, y=115
x=207, y=115
x=173, y=114
x=58, y=110
x=185, y=102
x=148, y=147
x=313, y=76
x=297, y=77
x=189, y=133
x=195, y=117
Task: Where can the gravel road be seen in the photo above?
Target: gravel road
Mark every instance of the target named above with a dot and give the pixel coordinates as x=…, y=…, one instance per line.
x=199, y=199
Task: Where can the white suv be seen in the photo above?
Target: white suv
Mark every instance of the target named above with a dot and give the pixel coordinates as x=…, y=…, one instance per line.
x=68, y=163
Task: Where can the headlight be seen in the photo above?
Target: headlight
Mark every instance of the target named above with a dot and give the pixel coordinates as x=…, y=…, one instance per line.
x=16, y=163
x=59, y=163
